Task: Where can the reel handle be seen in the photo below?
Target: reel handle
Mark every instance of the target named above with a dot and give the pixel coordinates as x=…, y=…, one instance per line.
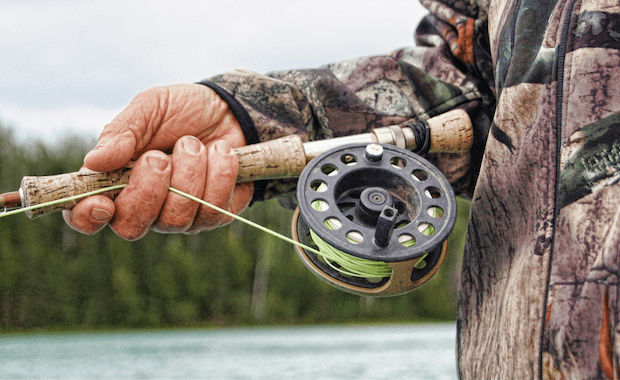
x=285, y=157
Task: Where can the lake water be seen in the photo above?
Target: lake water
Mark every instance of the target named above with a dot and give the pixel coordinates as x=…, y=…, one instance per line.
x=421, y=351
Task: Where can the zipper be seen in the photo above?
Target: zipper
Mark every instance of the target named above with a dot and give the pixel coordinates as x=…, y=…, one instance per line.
x=513, y=26
x=560, y=66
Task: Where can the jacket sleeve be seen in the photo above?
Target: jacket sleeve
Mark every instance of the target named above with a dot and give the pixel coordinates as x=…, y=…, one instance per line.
x=440, y=73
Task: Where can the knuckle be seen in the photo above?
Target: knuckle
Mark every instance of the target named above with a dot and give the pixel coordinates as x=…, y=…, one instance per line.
x=207, y=219
x=227, y=173
x=130, y=233
x=172, y=224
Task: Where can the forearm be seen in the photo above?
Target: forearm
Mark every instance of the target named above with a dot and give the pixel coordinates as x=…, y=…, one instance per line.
x=355, y=96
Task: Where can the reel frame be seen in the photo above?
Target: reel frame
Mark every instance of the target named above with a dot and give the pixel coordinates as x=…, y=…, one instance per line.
x=379, y=203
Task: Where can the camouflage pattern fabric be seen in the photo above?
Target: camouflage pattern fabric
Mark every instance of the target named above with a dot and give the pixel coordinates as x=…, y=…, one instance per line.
x=539, y=283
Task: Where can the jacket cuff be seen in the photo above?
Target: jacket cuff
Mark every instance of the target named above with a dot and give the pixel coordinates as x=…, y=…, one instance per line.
x=247, y=126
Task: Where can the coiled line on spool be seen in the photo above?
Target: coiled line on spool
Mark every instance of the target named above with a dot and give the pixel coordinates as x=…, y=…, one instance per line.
x=352, y=266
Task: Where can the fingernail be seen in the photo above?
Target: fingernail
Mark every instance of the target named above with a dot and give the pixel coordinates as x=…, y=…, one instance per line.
x=158, y=162
x=100, y=214
x=222, y=147
x=100, y=144
x=192, y=144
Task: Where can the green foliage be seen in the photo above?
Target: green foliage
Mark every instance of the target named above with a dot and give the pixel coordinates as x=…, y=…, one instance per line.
x=53, y=277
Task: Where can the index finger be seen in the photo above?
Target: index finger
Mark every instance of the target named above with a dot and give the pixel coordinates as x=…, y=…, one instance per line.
x=140, y=202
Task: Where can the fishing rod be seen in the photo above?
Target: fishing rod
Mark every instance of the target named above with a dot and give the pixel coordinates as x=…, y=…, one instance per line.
x=373, y=216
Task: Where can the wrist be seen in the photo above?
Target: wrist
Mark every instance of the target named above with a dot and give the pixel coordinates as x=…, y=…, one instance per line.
x=241, y=114
x=247, y=127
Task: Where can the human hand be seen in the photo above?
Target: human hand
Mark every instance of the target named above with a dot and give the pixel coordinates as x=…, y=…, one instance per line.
x=193, y=123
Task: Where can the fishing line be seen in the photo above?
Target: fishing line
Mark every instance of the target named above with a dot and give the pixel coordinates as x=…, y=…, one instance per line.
x=59, y=201
x=346, y=264
x=203, y=202
x=340, y=261
x=244, y=220
x=350, y=265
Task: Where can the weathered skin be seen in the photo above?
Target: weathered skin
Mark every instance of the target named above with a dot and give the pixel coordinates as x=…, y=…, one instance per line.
x=198, y=128
x=539, y=289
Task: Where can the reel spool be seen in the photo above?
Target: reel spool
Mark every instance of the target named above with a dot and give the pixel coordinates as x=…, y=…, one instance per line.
x=382, y=207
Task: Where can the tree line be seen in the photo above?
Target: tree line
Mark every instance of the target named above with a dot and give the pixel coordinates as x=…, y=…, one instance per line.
x=52, y=277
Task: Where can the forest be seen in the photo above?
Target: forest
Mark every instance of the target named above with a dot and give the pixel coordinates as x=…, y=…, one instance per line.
x=53, y=278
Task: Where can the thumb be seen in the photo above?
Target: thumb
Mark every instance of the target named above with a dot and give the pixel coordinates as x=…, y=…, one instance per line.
x=124, y=136
x=112, y=152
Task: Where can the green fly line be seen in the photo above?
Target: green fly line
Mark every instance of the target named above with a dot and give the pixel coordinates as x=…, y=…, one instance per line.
x=172, y=189
x=353, y=266
x=59, y=201
x=348, y=265
x=342, y=262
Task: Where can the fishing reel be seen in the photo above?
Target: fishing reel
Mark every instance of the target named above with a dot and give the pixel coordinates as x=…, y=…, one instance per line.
x=376, y=217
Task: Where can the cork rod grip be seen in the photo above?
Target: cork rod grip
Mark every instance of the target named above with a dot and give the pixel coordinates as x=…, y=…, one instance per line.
x=451, y=132
x=280, y=158
x=38, y=190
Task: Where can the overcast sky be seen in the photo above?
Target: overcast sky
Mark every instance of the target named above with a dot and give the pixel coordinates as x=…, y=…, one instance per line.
x=69, y=66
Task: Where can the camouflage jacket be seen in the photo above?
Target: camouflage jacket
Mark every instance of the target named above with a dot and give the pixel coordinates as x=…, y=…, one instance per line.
x=539, y=282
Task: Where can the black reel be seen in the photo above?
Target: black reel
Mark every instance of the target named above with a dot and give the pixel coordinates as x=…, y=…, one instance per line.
x=379, y=203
